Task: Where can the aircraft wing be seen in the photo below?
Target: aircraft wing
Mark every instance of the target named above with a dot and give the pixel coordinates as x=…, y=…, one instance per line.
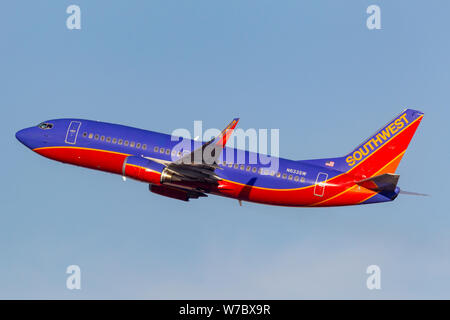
x=207, y=155
x=198, y=166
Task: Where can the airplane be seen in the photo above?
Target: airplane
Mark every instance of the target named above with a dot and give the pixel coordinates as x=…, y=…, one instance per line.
x=365, y=175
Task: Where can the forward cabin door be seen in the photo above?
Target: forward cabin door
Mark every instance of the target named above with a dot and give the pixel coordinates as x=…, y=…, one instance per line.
x=72, y=132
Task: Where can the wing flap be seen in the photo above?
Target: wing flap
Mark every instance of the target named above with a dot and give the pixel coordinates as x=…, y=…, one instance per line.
x=176, y=193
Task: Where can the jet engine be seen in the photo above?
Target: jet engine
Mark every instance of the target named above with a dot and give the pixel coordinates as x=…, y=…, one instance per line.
x=142, y=169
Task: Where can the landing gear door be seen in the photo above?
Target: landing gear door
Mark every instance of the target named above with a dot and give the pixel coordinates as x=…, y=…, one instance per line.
x=319, y=188
x=72, y=132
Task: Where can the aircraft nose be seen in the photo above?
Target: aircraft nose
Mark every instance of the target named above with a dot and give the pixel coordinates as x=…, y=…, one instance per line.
x=24, y=136
x=21, y=135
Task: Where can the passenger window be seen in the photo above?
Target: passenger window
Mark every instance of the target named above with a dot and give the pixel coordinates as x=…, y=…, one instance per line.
x=102, y=138
x=290, y=177
x=254, y=169
x=108, y=139
x=302, y=179
x=242, y=167
x=132, y=144
x=249, y=168
x=96, y=137
x=236, y=165
x=90, y=135
x=179, y=153
x=168, y=151
x=284, y=175
x=144, y=147
x=296, y=178
x=126, y=143
x=156, y=149
x=138, y=145
x=120, y=141
x=114, y=140
x=230, y=165
x=260, y=170
x=272, y=173
x=85, y=134
x=161, y=150
x=278, y=174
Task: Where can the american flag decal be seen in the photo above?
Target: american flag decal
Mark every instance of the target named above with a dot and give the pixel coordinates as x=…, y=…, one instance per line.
x=329, y=163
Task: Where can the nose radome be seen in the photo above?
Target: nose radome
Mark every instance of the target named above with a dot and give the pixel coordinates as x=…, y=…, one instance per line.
x=26, y=137
x=21, y=135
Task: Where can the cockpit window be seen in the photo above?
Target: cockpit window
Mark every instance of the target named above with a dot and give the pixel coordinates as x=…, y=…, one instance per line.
x=45, y=125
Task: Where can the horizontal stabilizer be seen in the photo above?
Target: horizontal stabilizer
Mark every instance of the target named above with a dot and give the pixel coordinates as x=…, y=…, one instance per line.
x=383, y=183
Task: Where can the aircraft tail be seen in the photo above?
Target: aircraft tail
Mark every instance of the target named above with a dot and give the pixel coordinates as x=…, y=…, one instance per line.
x=381, y=153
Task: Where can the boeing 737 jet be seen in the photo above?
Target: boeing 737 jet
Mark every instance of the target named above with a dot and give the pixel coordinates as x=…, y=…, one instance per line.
x=365, y=175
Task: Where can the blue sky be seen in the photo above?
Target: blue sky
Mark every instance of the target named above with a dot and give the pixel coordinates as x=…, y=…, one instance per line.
x=310, y=68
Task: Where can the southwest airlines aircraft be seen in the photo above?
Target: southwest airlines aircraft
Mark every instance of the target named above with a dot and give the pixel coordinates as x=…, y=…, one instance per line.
x=365, y=175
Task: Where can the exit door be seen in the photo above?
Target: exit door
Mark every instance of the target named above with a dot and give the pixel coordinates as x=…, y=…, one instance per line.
x=72, y=132
x=321, y=180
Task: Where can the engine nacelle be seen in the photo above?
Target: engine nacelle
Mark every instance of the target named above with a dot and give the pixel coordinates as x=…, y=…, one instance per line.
x=142, y=169
x=168, y=176
x=170, y=192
